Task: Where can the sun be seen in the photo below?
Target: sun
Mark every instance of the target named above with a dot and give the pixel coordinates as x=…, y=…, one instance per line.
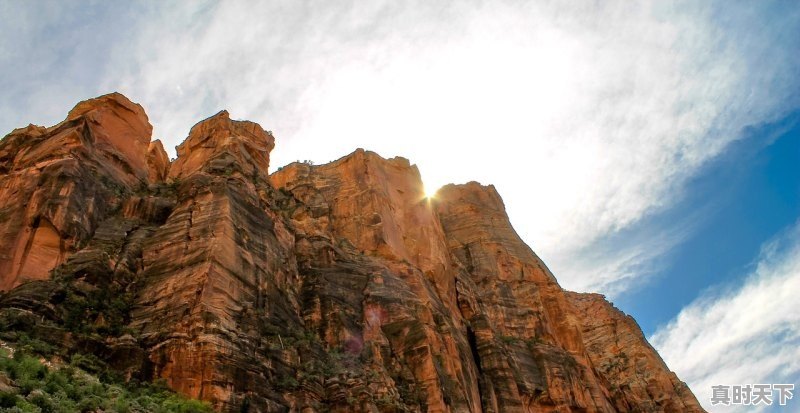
x=430, y=191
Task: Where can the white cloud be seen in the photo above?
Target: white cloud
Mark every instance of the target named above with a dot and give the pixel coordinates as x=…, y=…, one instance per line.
x=746, y=335
x=587, y=117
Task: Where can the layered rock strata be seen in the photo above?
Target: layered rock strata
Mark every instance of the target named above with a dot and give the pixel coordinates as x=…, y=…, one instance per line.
x=336, y=287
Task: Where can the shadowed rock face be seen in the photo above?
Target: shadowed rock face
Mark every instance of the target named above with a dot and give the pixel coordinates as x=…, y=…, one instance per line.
x=336, y=287
x=157, y=162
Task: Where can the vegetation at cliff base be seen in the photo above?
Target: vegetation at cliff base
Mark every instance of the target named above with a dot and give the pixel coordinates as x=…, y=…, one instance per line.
x=31, y=384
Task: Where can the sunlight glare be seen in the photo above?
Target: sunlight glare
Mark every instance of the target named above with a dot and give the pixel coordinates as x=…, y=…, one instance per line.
x=430, y=191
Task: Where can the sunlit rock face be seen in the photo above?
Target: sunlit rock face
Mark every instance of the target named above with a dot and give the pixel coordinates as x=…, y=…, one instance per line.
x=336, y=287
x=366, y=233
x=58, y=183
x=221, y=145
x=379, y=206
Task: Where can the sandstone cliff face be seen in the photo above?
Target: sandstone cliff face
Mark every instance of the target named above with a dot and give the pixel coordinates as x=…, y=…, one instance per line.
x=58, y=183
x=637, y=375
x=365, y=219
x=336, y=287
x=529, y=345
x=219, y=270
x=157, y=162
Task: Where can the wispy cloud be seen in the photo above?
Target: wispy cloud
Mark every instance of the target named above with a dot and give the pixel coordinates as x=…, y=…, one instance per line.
x=56, y=53
x=588, y=117
x=748, y=334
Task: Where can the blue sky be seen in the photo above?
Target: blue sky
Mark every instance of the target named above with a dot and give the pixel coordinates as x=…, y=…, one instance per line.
x=646, y=150
x=738, y=202
x=735, y=278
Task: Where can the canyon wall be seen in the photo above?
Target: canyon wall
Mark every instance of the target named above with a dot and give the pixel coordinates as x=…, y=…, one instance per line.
x=337, y=287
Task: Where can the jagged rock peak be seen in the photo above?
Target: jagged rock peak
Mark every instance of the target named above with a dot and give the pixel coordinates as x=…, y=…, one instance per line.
x=120, y=127
x=473, y=193
x=30, y=130
x=364, y=157
x=120, y=106
x=361, y=153
x=109, y=126
x=375, y=202
x=221, y=145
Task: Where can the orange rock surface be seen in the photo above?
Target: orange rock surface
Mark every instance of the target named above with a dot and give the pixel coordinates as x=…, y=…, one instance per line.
x=157, y=162
x=219, y=144
x=336, y=287
x=637, y=375
x=57, y=183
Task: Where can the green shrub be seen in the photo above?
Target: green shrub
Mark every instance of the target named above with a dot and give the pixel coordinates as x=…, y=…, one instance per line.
x=7, y=400
x=71, y=389
x=287, y=383
x=27, y=344
x=508, y=339
x=177, y=404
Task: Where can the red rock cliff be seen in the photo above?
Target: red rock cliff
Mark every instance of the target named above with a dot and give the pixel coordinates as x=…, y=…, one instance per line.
x=58, y=183
x=336, y=287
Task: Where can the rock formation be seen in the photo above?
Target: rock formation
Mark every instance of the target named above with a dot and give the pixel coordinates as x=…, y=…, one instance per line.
x=336, y=287
x=59, y=183
x=638, y=378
